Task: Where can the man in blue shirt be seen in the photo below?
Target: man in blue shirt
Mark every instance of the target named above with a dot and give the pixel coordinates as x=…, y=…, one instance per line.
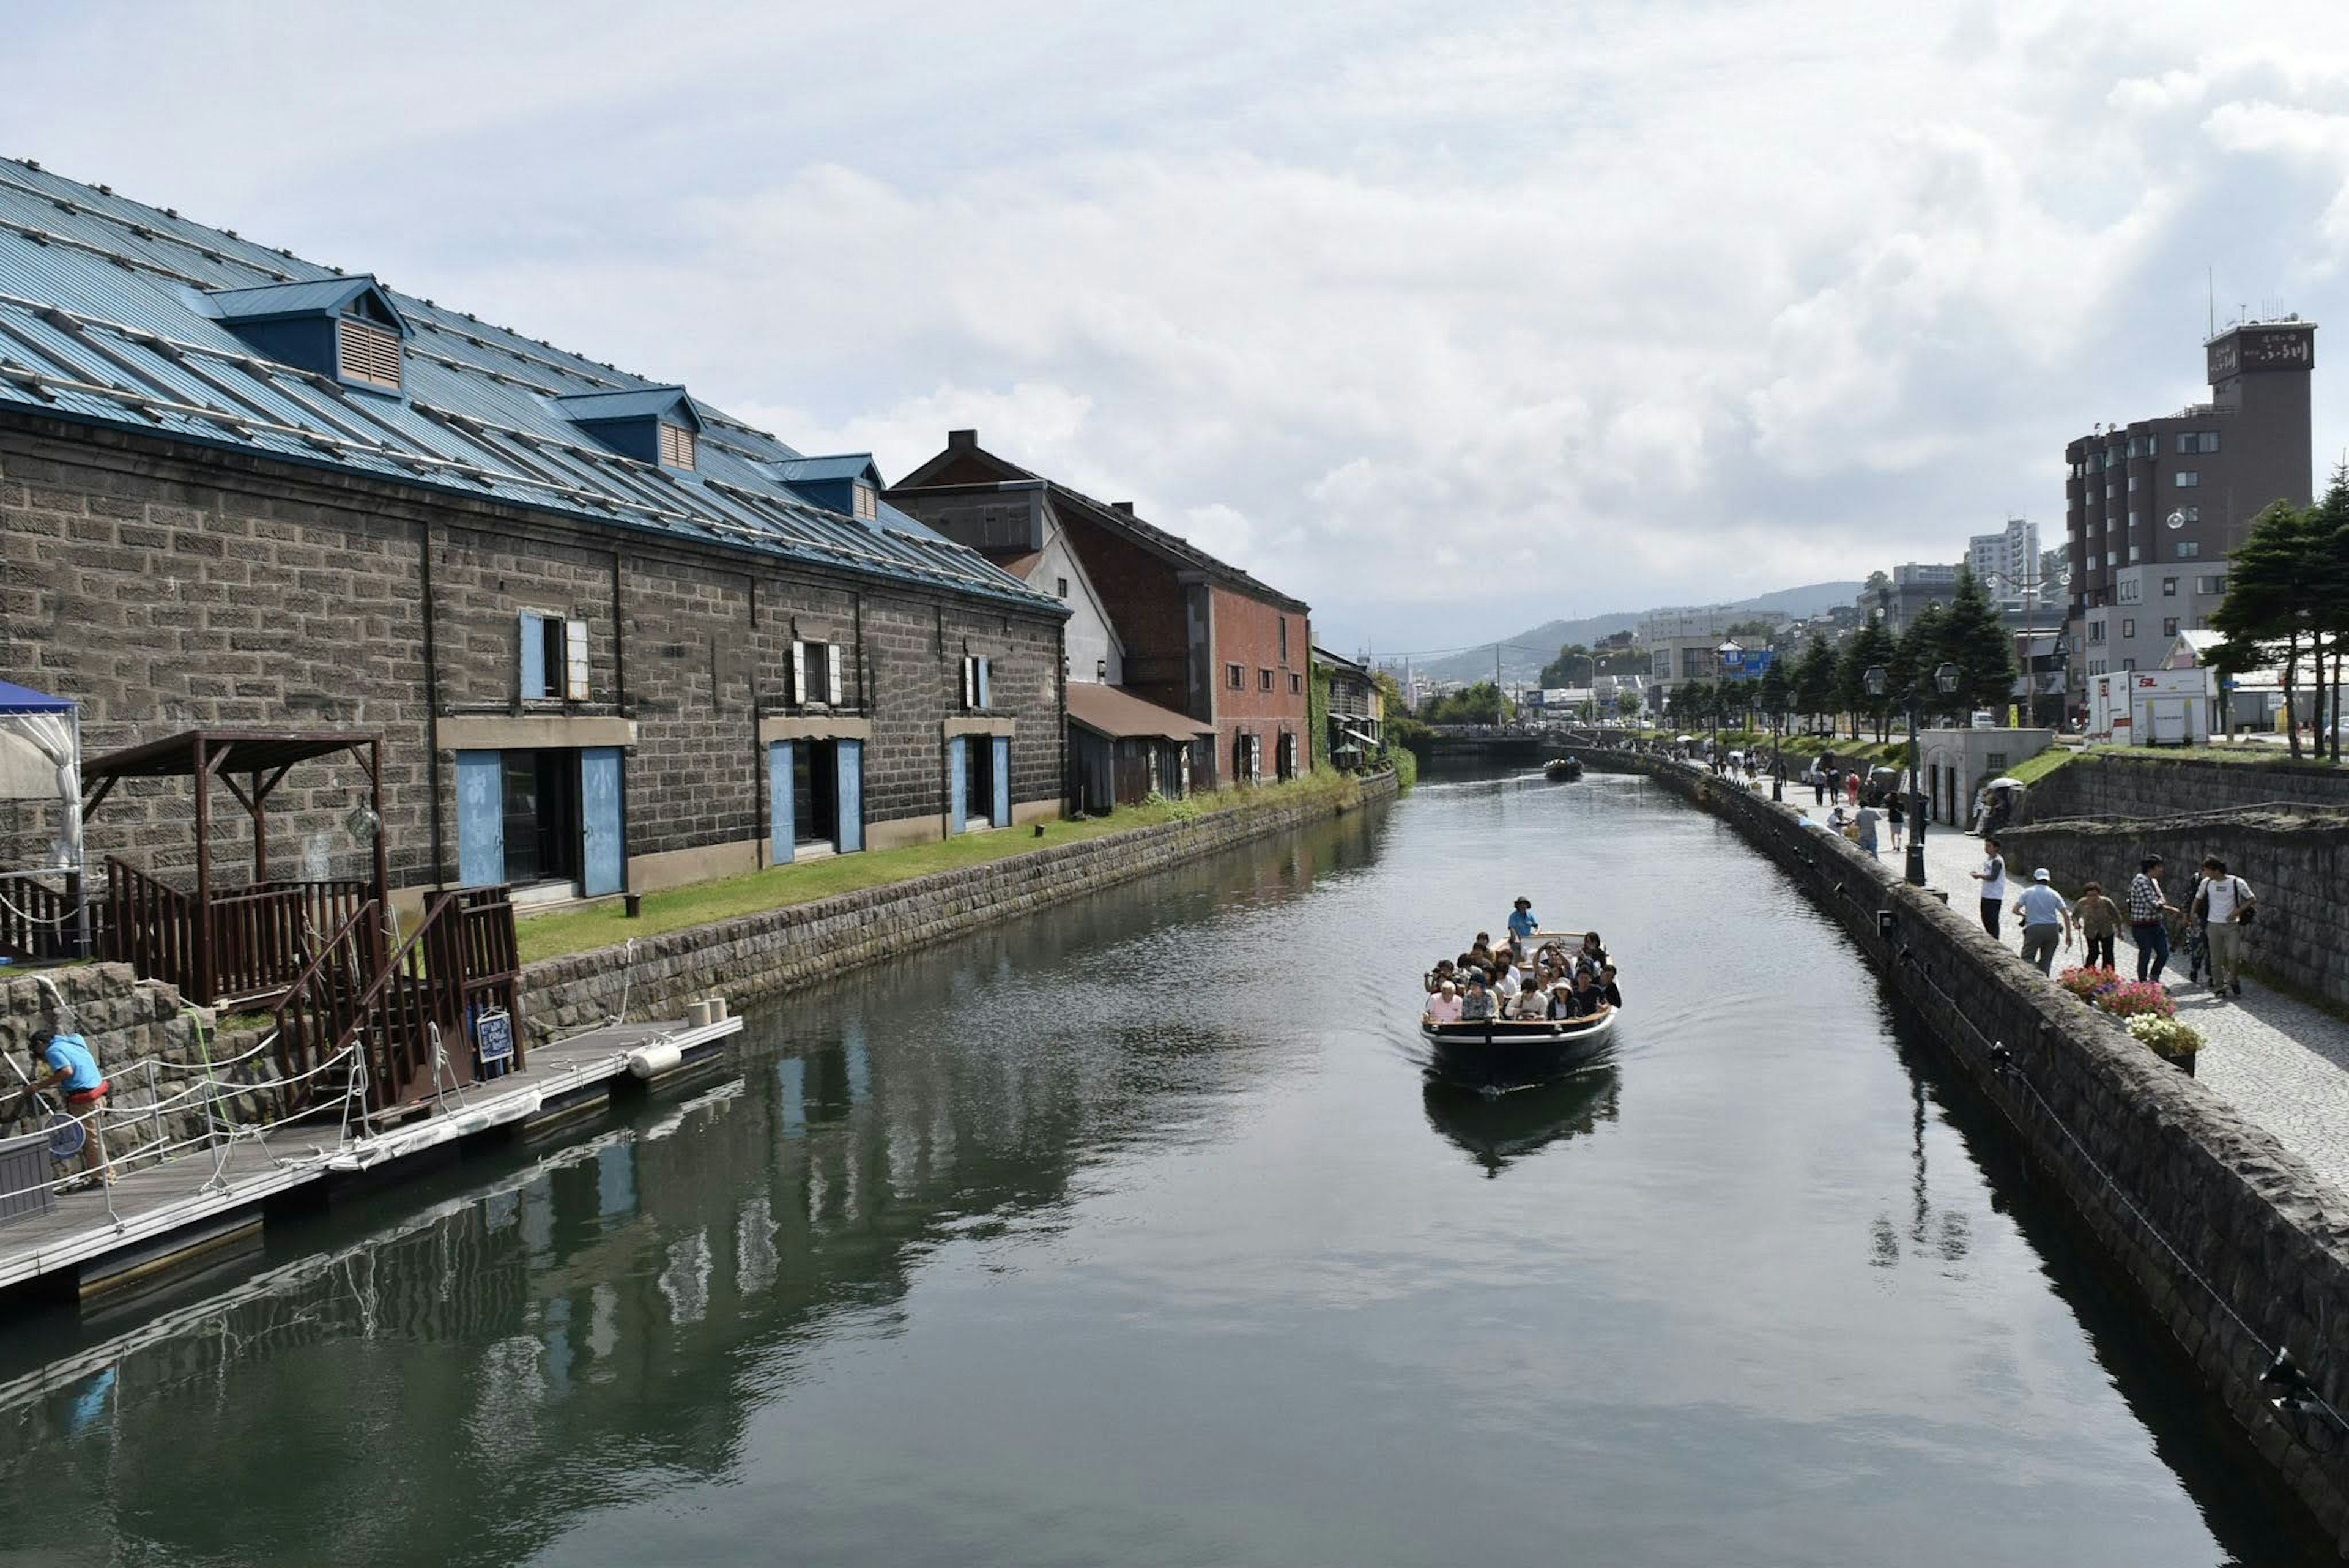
x=1522, y=924
x=72, y=1067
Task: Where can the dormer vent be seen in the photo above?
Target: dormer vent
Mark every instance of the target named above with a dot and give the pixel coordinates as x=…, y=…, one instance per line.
x=651, y=424
x=676, y=446
x=346, y=329
x=368, y=353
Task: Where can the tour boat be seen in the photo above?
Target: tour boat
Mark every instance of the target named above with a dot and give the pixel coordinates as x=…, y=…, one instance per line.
x=1561, y=770
x=1506, y=1053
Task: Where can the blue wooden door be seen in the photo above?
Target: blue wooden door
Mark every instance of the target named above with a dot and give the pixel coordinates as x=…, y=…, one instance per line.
x=958, y=781
x=480, y=818
x=601, y=842
x=782, y=821
x=1001, y=806
x=848, y=835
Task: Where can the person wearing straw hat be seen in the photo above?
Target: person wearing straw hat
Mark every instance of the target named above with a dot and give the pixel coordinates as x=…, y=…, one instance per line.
x=70, y=1066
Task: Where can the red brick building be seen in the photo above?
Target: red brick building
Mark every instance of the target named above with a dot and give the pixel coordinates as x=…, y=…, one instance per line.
x=1200, y=636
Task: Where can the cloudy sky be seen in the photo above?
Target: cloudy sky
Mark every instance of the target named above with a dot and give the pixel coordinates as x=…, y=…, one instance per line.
x=1446, y=318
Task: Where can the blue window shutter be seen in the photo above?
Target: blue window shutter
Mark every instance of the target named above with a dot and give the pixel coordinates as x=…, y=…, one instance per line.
x=534, y=657
x=983, y=673
x=848, y=835
x=957, y=781
x=601, y=860
x=783, y=831
x=1000, y=808
x=480, y=818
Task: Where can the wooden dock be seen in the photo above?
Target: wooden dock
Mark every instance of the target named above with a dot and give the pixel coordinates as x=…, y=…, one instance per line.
x=171, y=1214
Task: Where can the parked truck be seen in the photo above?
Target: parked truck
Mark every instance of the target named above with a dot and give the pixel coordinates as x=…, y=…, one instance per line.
x=2150, y=707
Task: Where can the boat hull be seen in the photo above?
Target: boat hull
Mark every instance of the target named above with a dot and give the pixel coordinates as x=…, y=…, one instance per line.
x=1561, y=772
x=1508, y=1054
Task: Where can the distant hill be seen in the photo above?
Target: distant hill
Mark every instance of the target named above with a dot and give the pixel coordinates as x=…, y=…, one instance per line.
x=1524, y=653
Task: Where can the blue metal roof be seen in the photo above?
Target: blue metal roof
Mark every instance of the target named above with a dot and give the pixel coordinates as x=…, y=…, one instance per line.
x=270, y=301
x=809, y=470
x=651, y=403
x=109, y=314
x=15, y=699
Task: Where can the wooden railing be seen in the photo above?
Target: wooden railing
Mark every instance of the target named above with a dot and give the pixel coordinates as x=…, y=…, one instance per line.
x=320, y=1008
x=41, y=917
x=243, y=946
x=460, y=960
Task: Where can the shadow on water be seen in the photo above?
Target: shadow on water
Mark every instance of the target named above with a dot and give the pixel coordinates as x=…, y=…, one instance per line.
x=1498, y=1130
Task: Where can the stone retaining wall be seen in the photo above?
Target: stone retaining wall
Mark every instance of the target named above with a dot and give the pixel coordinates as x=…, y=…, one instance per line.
x=128, y=1022
x=2298, y=866
x=781, y=949
x=2270, y=1237
x=2102, y=784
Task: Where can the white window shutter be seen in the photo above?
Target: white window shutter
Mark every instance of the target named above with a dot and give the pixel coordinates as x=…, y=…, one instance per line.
x=832, y=673
x=969, y=682
x=574, y=660
x=799, y=672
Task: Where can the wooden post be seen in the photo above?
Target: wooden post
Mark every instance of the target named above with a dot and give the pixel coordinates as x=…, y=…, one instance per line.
x=260, y=832
x=382, y=858
x=204, y=957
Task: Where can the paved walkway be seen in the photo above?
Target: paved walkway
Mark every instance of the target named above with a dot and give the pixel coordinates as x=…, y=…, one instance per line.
x=2281, y=1062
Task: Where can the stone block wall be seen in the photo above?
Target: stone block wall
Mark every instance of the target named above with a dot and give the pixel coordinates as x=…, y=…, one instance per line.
x=2101, y=784
x=165, y=588
x=152, y=1048
x=2261, y=1243
x=781, y=949
x=2298, y=866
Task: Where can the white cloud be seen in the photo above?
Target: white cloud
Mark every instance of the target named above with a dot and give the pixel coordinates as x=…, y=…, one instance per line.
x=1451, y=310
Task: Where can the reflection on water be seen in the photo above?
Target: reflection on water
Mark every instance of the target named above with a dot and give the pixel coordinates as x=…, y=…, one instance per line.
x=1130, y=1234
x=1497, y=1130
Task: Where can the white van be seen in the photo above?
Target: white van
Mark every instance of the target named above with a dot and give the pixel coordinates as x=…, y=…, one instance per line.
x=1984, y=719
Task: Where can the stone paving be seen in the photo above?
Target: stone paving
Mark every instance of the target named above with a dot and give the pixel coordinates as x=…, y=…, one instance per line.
x=2280, y=1062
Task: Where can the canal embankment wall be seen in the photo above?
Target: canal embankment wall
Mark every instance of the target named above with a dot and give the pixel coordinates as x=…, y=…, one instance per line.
x=2235, y=1246
x=2297, y=864
x=783, y=949
x=2105, y=783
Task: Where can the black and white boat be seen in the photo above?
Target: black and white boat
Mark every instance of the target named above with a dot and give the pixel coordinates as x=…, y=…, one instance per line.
x=1562, y=770
x=1508, y=1053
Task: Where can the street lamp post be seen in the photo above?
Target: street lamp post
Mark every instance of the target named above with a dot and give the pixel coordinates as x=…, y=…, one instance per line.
x=1878, y=681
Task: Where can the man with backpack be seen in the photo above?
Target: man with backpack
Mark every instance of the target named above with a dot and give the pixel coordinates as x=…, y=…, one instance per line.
x=2225, y=904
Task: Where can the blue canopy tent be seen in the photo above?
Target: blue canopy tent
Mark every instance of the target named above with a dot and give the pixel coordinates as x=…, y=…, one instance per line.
x=40, y=761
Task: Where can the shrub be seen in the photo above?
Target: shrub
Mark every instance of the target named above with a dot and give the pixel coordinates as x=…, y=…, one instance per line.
x=2138, y=999
x=2088, y=984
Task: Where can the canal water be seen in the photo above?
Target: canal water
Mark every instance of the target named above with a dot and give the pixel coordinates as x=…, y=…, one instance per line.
x=1131, y=1235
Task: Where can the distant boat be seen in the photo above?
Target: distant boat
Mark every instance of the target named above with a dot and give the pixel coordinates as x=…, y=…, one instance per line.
x=1510, y=1052
x=1561, y=770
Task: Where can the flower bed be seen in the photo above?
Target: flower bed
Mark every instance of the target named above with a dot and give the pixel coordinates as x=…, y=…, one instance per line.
x=2142, y=1007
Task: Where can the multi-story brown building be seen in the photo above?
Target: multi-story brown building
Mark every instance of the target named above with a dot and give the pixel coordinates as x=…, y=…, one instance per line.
x=1199, y=635
x=2153, y=509
x=613, y=638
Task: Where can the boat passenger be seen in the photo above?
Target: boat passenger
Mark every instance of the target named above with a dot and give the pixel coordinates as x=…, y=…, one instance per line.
x=1593, y=952
x=1511, y=982
x=1588, y=1000
x=1442, y=975
x=1522, y=924
x=1476, y=1007
x=1607, y=987
x=1444, y=1007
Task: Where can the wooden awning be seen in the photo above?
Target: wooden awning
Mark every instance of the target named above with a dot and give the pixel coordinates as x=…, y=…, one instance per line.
x=1121, y=716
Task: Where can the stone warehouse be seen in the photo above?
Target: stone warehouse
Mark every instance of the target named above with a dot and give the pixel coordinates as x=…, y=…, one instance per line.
x=613, y=638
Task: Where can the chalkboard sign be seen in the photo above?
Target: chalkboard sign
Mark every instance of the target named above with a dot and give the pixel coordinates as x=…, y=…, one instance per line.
x=494, y=1037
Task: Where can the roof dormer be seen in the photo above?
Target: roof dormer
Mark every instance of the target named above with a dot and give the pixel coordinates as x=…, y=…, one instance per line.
x=347, y=328
x=848, y=483
x=652, y=424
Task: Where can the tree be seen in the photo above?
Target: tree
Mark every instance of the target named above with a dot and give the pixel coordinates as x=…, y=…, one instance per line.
x=1773, y=693
x=1482, y=703
x=1573, y=659
x=1870, y=646
x=2326, y=586
x=2266, y=595
x=1815, y=679
x=1626, y=702
x=1974, y=638
x=1879, y=590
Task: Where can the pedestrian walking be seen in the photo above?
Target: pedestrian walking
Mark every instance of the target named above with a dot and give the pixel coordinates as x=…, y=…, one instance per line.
x=1868, y=814
x=2148, y=908
x=1894, y=814
x=2044, y=916
x=1818, y=785
x=2225, y=904
x=2100, y=922
x=1993, y=877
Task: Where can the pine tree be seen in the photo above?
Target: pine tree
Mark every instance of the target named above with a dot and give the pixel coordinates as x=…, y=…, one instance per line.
x=1773, y=693
x=1815, y=679
x=1974, y=638
x=1914, y=658
x=2266, y=595
x=1870, y=646
x=2325, y=586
